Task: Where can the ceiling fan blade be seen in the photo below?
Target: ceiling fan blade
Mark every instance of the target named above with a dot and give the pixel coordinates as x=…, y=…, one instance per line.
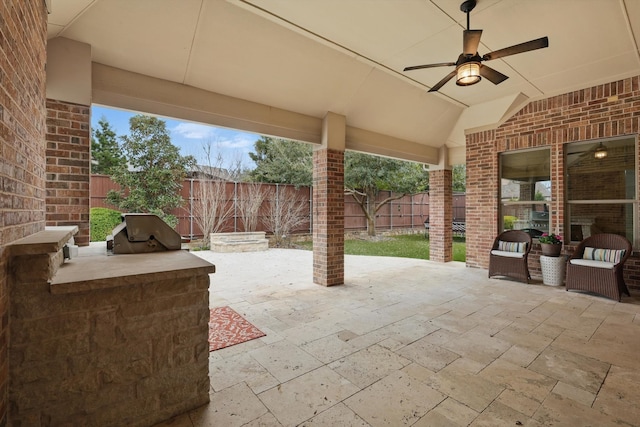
x=420, y=67
x=518, y=48
x=443, y=81
x=470, y=41
x=492, y=75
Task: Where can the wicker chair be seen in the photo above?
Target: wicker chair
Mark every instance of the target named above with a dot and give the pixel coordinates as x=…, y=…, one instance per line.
x=604, y=278
x=510, y=263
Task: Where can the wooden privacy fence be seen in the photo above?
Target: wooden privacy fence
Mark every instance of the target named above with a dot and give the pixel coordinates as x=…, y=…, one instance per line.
x=408, y=212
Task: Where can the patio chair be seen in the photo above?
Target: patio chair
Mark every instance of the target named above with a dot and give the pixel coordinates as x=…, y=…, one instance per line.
x=509, y=255
x=596, y=265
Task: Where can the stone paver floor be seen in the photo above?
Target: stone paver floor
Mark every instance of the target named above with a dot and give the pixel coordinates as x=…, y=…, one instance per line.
x=409, y=342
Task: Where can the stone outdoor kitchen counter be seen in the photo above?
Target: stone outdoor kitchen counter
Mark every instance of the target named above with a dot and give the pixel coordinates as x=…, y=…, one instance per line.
x=98, y=271
x=105, y=339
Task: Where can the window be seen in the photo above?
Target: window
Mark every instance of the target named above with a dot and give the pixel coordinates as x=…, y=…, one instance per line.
x=525, y=190
x=601, y=187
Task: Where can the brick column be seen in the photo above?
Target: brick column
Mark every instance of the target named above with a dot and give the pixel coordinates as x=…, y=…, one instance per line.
x=68, y=166
x=328, y=204
x=22, y=127
x=441, y=215
x=481, y=209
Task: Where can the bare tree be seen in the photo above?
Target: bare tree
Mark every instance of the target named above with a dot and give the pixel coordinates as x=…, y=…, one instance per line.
x=211, y=209
x=211, y=206
x=287, y=210
x=249, y=202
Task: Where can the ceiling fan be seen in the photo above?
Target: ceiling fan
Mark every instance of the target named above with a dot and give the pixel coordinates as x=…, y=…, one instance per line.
x=469, y=69
x=597, y=151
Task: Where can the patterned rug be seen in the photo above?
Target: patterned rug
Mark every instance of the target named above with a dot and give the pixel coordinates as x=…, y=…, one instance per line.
x=227, y=328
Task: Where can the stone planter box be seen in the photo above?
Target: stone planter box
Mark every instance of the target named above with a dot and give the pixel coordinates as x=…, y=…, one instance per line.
x=239, y=242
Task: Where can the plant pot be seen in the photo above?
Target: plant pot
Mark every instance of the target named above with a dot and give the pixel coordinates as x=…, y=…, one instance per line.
x=550, y=249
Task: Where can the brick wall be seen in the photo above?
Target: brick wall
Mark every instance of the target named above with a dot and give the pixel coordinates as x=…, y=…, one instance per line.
x=603, y=111
x=441, y=215
x=328, y=217
x=68, y=166
x=22, y=127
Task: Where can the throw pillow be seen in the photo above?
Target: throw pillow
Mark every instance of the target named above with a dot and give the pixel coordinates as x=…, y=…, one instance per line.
x=606, y=255
x=512, y=246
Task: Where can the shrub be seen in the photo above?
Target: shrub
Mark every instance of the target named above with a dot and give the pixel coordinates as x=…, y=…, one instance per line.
x=102, y=222
x=509, y=221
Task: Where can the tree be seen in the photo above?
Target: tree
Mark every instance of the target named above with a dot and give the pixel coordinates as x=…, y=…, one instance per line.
x=281, y=161
x=106, y=154
x=249, y=202
x=287, y=211
x=153, y=179
x=366, y=175
x=290, y=162
x=459, y=174
x=211, y=206
x=228, y=167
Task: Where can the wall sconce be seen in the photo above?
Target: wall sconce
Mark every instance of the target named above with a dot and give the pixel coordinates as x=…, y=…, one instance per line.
x=601, y=152
x=468, y=74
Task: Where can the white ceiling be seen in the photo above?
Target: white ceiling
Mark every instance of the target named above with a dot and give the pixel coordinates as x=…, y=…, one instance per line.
x=347, y=56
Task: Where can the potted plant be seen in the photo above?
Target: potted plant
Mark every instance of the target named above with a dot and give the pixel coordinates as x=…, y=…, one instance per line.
x=551, y=244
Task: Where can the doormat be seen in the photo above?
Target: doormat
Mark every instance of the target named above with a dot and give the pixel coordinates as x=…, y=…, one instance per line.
x=227, y=328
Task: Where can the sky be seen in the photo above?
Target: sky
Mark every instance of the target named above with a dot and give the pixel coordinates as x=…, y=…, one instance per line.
x=190, y=137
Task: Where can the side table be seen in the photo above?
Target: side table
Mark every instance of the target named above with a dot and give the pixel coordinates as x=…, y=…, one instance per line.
x=553, y=269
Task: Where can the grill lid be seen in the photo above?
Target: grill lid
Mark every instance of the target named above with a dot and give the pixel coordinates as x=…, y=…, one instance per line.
x=143, y=233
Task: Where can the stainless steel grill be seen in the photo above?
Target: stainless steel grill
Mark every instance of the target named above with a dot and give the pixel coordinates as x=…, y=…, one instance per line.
x=142, y=233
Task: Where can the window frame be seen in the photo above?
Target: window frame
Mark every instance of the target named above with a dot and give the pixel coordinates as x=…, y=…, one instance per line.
x=633, y=202
x=531, y=203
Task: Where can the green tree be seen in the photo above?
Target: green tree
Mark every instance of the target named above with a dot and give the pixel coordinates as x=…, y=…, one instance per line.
x=282, y=161
x=106, y=154
x=153, y=179
x=365, y=176
x=459, y=174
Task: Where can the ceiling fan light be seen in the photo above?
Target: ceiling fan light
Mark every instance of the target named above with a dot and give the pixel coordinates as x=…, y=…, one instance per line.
x=601, y=152
x=468, y=74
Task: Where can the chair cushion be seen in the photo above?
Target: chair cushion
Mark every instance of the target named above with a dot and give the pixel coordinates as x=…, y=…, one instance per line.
x=512, y=246
x=508, y=254
x=592, y=263
x=606, y=255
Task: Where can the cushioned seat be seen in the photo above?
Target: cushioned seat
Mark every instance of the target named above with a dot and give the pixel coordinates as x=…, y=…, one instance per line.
x=592, y=263
x=597, y=265
x=509, y=255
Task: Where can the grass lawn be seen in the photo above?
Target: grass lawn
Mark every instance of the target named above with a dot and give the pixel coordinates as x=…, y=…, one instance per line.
x=406, y=246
